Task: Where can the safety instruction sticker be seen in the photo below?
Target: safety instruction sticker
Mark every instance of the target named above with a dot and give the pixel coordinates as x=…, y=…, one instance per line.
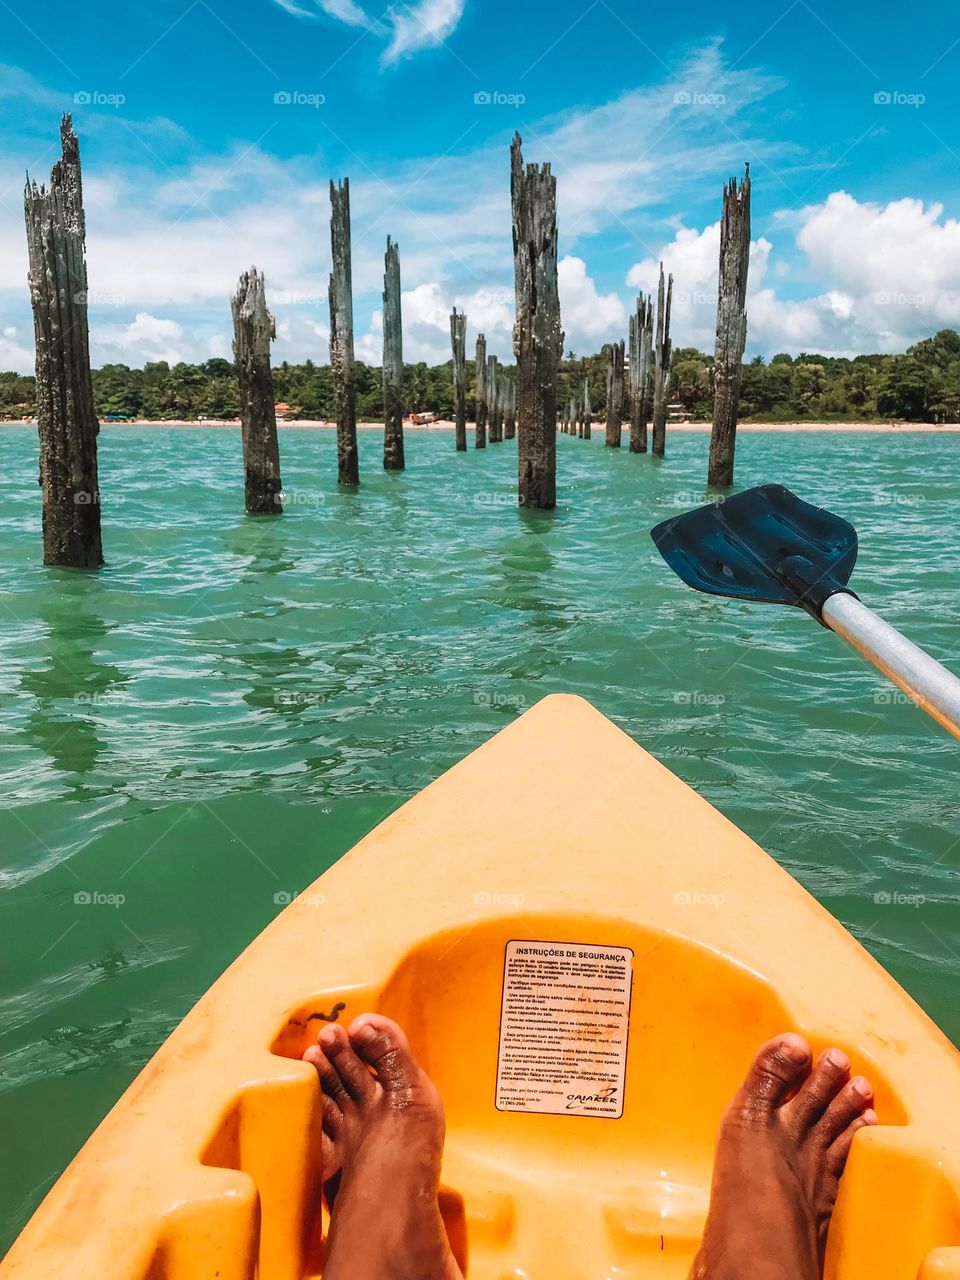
x=564, y=1023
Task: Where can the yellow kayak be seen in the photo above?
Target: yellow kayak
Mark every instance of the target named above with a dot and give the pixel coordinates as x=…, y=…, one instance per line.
x=558, y=869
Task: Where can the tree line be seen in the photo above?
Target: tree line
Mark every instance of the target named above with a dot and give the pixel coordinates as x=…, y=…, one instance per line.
x=922, y=385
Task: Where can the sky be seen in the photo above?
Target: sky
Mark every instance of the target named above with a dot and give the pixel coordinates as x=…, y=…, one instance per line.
x=209, y=133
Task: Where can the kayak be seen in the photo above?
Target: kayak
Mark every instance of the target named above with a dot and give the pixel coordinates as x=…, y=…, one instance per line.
x=585, y=955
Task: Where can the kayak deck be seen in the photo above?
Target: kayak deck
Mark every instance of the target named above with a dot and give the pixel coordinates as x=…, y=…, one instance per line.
x=559, y=836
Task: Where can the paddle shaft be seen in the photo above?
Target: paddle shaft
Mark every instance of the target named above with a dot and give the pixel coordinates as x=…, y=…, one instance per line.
x=925, y=680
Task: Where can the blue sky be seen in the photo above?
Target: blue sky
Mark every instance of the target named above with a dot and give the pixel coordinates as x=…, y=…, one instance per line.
x=209, y=133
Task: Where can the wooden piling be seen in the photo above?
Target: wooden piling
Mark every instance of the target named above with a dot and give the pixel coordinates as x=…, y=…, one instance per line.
x=393, y=458
x=494, y=432
x=66, y=419
x=640, y=348
x=480, y=416
x=253, y=330
x=341, y=334
x=731, y=328
x=614, y=395
x=587, y=411
x=510, y=414
x=458, y=341
x=537, y=337
x=646, y=374
x=662, y=360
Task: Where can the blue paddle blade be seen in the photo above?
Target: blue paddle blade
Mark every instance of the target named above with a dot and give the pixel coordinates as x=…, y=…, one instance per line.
x=765, y=544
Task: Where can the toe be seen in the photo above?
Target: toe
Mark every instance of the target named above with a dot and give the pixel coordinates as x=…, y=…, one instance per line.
x=850, y=1103
x=779, y=1067
x=330, y=1081
x=354, y=1074
x=837, y=1153
x=818, y=1091
x=382, y=1044
x=332, y=1117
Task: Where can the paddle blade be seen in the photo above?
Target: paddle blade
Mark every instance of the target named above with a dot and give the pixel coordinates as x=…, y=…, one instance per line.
x=747, y=546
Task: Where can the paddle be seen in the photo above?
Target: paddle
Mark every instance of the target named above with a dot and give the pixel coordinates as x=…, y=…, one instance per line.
x=768, y=545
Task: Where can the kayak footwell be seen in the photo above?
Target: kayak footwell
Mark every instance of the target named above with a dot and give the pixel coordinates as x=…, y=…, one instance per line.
x=585, y=955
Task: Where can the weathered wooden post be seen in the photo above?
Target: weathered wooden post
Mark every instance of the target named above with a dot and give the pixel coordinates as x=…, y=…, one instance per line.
x=572, y=417
x=66, y=419
x=393, y=459
x=587, y=411
x=510, y=416
x=639, y=365
x=537, y=337
x=253, y=330
x=480, y=431
x=731, y=328
x=458, y=341
x=614, y=395
x=646, y=374
x=341, y=334
x=494, y=434
x=661, y=386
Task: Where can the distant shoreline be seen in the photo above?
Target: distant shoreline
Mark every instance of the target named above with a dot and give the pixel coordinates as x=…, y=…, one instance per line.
x=838, y=428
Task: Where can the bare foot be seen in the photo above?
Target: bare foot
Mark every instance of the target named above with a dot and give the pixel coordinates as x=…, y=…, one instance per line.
x=383, y=1135
x=783, y=1145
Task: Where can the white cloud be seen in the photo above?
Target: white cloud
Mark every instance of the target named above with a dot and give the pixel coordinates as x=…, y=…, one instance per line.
x=146, y=338
x=589, y=318
x=892, y=270
x=16, y=353
x=410, y=27
x=422, y=26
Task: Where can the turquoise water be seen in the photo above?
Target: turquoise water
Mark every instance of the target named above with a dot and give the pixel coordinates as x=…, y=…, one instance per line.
x=204, y=726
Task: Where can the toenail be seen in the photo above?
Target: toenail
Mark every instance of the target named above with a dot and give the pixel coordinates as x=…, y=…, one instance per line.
x=862, y=1087
x=870, y=1116
x=836, y=1058
x=794, y=1052
x=366, y=1033
x=327, y=1036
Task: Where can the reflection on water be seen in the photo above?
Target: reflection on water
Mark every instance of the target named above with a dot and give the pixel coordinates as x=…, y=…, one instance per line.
x=71, y=687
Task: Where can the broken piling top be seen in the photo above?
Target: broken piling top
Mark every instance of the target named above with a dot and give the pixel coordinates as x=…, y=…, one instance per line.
x=66, y=182
x=249, y=304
